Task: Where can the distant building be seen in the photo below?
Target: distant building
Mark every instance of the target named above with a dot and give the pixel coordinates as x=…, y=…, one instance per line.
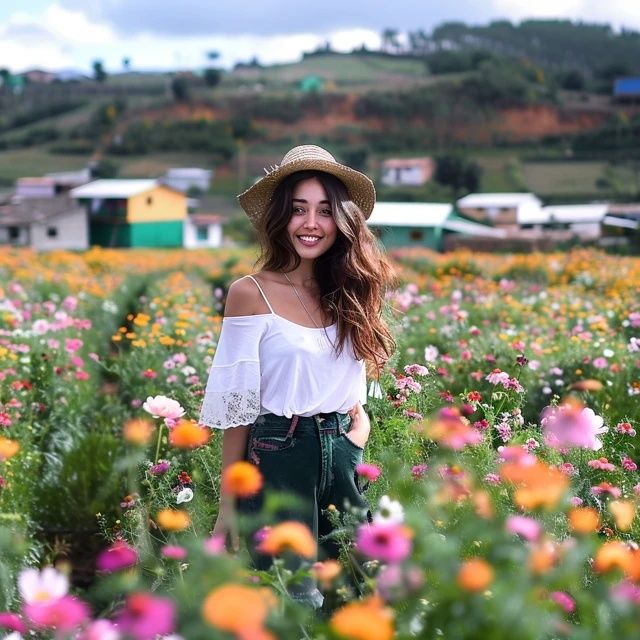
x=183, y=179
x=627, y=89
x=511, y=211
x=133, y=213
x=311, y=84
x=423, y=224
x=203, y=230
x=52, y=184
x=39, y=76
x=44, y=224
x=411, y=172
x=581, y=220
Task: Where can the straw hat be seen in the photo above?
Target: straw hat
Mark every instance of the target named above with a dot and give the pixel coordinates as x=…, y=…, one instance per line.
x=256, y=198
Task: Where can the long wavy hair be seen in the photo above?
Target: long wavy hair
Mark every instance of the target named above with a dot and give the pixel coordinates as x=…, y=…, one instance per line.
x=353, y=275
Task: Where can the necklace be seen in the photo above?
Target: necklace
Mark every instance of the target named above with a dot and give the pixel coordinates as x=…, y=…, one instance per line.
x=304, y=306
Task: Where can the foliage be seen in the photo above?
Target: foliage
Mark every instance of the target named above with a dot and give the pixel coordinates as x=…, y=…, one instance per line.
x=459, y=173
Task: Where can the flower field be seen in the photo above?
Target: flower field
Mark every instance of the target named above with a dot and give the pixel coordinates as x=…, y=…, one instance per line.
x=501, y=473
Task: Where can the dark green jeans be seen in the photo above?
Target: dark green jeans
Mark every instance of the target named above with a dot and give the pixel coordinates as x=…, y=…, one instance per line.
x=313, y=461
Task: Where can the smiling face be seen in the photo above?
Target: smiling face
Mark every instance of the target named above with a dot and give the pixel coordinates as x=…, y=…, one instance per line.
x=312, y=228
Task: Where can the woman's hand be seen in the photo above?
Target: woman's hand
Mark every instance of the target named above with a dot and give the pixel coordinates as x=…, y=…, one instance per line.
x=360, y=426
x=225, y=526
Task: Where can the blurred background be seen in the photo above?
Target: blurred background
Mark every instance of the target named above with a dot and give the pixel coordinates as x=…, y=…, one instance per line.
x=513, y=126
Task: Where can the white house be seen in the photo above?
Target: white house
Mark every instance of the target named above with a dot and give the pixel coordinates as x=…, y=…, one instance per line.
x=503, y=209
x=583, y=220
x=411, y=172
x=183, y=179
x=44, y=224
x=202, y=230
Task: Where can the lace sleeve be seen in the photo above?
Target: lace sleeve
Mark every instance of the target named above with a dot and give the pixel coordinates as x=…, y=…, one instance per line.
x=232, y=394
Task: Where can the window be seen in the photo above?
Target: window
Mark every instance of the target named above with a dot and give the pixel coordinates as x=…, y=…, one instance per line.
x=416, y=234
x=14, y=233
x=149, y=200
x=202, y=233
x=52, y=232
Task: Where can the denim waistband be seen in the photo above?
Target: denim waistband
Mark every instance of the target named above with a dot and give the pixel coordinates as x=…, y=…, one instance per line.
x=333, y=422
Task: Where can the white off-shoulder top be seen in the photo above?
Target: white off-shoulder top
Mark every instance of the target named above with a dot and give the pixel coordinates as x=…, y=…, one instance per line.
x=267, y=364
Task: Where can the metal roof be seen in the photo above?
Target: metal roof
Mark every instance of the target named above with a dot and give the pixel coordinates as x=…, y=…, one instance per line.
x=409, y=214
x=113, y=188
x=486, y=200
x=473, y=229
x=625, y=223
x=576, y=212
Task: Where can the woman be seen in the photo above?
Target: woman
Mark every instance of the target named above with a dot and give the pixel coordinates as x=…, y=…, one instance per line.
x=288, y=378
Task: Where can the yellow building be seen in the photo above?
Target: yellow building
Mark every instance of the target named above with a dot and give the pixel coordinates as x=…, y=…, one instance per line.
x=133, y=213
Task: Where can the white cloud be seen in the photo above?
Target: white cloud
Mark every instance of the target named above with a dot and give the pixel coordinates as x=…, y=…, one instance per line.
x=74, y=26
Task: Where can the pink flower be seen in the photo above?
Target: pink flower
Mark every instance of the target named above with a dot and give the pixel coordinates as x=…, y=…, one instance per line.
x=118, y=556
x=100, y=630
x=605, y=487
x=160, y=468
x=418, y=470
x=571, y=426
x=13, y=622
x=72, y=344
x=412, y=415
x=369, y=471
x=497, y=377
x=525, y=527
x=575, y=501
x=600, y=363
x=146, y=616
x=626, y=591
x=625, y=428
x=149, y=373
x=43, y=586
x=602, y=464
x=64, y=614
x=163, y=407
x=628, y=464
x=568, y=469
x=492, y=478
x=416, y=370
x=214, y=545
x=389, y=543
x=564, y=600
x=173, y=552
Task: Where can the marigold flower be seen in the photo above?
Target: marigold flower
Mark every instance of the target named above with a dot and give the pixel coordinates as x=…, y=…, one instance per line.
x=537, y=484
x=586, y=385
x=173, y=519
x=584, y=519
x=237, y=609
x=367, y=619
x=624, y=512
x=288, y=536
x=138, y=431
x=241, y=479
x=188, y=434
x=8, y=448
x=543, y=557
x=475, y=574
x=610, y=555
x=326, y=572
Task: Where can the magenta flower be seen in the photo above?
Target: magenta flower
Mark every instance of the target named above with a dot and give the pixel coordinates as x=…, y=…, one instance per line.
x=389, y=543
x=63, y=615
x=628, y=464
x=214, y=545
x=626, y=591
x=416, y=370
x=418, y=470
x=118, y=556
x=570, y=426
x=369, y=471
x=564, y=600
x=145, y=616
x=173, y=552
x=12, y=622
x=100, y=630
x=625, y=428
x=160, y=468
x=525, y=527
x=605, y=487
x=492, y=478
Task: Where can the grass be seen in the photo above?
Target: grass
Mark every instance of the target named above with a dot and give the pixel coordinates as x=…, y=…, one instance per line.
x=35, y=161
x=563, y=177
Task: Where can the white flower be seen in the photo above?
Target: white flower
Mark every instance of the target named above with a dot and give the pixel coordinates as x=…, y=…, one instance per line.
x=389, y=512
x=163, y=407
x=431, y=353
x=184, y=495
x=42, y=586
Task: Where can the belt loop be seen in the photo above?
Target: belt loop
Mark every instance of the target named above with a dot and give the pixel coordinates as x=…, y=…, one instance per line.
x=293, y=425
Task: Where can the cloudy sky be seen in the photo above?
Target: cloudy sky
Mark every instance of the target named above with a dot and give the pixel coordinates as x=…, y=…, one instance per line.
x=165, y=34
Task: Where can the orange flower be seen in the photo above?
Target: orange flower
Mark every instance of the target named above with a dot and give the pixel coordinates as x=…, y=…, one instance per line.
x=173, y=519
x=543, y=557
x=612, y=554
x=624, y=512
x=326, y=572
x=368, y=619
x=288, y=536
x=238, y=609
x=584, y=519
x=241, y=479
x=586, y=385
x=475, y=574
x=138, y=431
x=8, y=448
x=537, y=485
x=188, y=434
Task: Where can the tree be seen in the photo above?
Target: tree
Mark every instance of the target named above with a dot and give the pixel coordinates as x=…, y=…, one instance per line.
x=212, y=76
x=126, y=64
x=99, y=74
x=180, y=89
x=390, y=40
x=458, y=173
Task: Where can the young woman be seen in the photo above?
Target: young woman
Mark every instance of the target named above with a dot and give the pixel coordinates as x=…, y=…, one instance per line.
x=288, y=378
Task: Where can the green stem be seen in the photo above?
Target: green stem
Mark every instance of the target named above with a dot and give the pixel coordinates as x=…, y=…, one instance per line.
x=155, y=461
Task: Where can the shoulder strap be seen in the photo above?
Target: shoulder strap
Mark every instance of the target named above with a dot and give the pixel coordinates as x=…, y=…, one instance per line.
x=262, y=293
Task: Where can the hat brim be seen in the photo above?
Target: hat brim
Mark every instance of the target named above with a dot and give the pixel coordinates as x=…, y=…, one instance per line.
x=255, y=200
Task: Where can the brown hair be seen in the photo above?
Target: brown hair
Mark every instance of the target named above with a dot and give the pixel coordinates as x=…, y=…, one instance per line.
x=353, y=275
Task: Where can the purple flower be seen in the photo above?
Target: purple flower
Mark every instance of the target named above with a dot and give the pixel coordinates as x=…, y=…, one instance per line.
x=162, y=466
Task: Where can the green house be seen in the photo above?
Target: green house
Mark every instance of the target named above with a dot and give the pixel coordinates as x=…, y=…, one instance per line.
x=422, y=224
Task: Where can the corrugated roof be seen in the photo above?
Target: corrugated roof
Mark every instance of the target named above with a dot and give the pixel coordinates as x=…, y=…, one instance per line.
x=113, y=188
x=473, y=229
x=409, y=214
x=625, y=223
x=482, y=200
